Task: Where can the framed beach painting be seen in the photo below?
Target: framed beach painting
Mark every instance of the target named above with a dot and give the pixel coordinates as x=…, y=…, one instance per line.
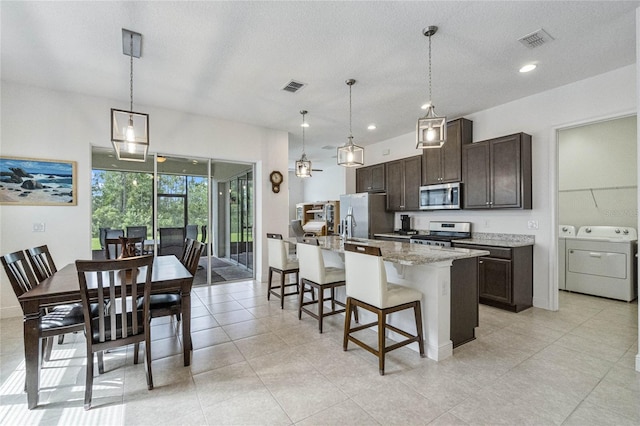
x=35, y=182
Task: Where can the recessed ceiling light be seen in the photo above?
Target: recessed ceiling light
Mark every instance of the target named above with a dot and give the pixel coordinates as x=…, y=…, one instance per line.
x=304, y=125
x=528, y=67
x=371, y=127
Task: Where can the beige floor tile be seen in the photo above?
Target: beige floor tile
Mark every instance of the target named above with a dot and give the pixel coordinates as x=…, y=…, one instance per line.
x=246, y=329
x=262, y=344
x=589, y=414
x=248, y=408
x=575, y=360
x=209, y=337
x=213, y=357
x=233, y=317
x=340, y=414
x=622, y=400
x=225, y=383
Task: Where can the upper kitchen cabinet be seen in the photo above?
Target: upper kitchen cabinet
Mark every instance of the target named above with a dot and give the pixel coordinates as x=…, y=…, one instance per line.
x=497, y=173
x=370, y=178
x=444, y=165
x=403, y=179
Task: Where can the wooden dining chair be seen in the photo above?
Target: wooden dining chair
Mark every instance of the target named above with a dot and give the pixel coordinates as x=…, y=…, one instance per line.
x=43, y=267
x=123, y=247
x=165, y=304
x=121, y=281
x=55, y=321
x=171, y=241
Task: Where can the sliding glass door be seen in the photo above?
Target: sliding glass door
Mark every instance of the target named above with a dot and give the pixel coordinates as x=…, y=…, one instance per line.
x=241, y=219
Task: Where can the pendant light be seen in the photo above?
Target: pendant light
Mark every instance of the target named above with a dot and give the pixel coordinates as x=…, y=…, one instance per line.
x=350, y=155
x=129, y=129
x=431, y=130
x=303, y=166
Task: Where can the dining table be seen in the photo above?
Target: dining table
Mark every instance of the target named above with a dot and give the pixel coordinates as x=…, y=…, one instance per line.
x=62, y=288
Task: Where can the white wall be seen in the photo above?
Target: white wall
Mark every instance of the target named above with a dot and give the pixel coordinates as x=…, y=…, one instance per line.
x=597, y=174
x=55, y=125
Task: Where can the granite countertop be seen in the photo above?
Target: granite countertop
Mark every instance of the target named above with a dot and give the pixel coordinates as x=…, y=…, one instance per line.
x=499, y=240
x=481, y=238
x=402, y=253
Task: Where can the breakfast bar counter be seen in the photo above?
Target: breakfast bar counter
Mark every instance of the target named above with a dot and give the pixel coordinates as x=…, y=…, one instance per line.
x=428, y=269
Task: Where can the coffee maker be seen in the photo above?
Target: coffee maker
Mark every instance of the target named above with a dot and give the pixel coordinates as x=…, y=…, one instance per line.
x=406, y=223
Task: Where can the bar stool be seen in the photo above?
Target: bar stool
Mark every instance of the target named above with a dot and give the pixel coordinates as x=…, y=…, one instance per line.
x=314, y=274
x=281, y=263
x=367, y=287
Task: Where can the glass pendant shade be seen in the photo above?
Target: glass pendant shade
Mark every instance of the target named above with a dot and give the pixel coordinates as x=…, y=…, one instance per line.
x=431, y=130
x=350, y=155
x=303, y=167
x=130, y=134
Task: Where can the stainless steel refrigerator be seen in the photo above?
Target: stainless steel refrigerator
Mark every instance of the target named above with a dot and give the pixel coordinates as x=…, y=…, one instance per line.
x=364, y=214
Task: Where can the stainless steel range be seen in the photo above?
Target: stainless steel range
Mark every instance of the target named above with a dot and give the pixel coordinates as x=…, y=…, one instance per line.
x=442, y=233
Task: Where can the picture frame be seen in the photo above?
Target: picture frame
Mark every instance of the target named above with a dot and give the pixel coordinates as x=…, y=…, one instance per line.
x=38, y=182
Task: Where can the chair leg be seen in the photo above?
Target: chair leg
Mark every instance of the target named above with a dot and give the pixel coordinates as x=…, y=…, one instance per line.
x=282, y=289
x=300, y=299
x=101, y=362
x=320, y=308
x=147, y=354
x=381, y=340
x=136, y=349
x=269, y=284
x=355, y=314
x=88, y=386
x=60, y=339
x=48, y=348
x=347, y=324
x=333, y=299
x=417, y=310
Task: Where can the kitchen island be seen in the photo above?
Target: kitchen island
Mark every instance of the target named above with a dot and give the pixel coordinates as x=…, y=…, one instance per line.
x=428, y=269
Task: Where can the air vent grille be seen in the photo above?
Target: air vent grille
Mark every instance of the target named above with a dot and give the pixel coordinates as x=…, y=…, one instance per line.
x=293, y=86
x=536, y=39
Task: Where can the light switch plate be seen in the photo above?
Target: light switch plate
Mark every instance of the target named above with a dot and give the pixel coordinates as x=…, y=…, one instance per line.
x=532, y=224
x=38, y=227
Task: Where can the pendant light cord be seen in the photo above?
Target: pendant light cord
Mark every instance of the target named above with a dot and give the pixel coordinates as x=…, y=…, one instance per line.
x=131, y=75
x=303, y=134
x=430, y=98
x=350, y=132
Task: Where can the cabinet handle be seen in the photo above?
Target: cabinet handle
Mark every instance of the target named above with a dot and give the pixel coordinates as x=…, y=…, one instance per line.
x=481, y=261
x=487, y=203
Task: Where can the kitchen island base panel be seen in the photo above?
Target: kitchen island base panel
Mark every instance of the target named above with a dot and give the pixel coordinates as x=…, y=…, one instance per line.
x=434, y=281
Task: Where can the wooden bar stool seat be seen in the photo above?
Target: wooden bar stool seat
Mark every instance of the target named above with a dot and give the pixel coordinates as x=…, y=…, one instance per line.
x=367, y=288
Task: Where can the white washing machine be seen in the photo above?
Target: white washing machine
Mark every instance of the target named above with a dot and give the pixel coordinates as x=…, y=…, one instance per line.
x=601, y=261
x=564, y=232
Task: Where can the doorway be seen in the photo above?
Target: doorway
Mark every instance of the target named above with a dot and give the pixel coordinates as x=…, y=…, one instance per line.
x=596, y=179
x=169, y=193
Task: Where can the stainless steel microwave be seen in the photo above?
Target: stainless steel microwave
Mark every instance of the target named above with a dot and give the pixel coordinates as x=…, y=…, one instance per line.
x=441, y=197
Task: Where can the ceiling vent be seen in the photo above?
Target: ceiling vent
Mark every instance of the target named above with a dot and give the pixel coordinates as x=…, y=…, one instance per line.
x=293, y=86
x=536, y=39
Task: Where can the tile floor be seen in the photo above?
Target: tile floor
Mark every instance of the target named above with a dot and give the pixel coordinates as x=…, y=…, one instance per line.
x=256, y=364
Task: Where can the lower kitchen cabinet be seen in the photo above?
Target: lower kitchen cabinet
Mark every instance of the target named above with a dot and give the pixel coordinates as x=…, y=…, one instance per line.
x=505, y=276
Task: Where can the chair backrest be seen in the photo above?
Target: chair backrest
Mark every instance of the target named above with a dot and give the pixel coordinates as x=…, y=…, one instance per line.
x=365, y=275
x=41, y=262
x=171, y=241
x=191, y=231
x=20, y=275
x=137, y=231
x=296, y=227
x=203, y=238
x=310, y=259
x=116, y=248
x=192, y=255
x=102, y=235
x=114, y=233
x=120, y=282
x=277, y=251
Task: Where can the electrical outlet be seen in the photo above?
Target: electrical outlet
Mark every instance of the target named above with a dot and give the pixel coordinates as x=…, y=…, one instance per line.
x=38, y=227
x=532, y=224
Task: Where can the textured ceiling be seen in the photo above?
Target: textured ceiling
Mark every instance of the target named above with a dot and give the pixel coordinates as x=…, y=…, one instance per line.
x=231, y=59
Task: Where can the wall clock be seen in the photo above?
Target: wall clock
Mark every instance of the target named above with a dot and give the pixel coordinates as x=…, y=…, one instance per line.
x=276, y=180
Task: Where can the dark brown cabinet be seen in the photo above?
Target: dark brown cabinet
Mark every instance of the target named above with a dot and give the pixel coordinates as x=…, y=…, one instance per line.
x=505, y=276
x=464, y=300
x=403, y=180
x=497, y=173
x=444, y=165
x=370, y=178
